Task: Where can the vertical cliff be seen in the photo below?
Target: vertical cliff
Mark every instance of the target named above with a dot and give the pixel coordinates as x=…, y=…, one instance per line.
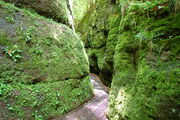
x=99, y=36
x=146, y=62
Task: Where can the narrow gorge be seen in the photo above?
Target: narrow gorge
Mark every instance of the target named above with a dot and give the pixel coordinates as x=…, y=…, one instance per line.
x=89, y=59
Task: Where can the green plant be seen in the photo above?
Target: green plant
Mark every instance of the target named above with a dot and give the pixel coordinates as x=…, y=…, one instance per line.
x=14, y=53
x=10, y=19
x=28, y=38
x=4, y=89
x=29, y=34
x=26, y=35
x=38, y=117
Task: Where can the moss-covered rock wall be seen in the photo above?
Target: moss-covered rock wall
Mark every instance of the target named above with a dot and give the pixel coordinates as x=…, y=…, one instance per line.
x=137, y=43
x=99, y=36
x=43, y=66
x=146, y=63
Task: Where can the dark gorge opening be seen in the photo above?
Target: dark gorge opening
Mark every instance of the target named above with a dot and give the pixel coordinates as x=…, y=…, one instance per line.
x=93, y=65
x=113, y=1
x=106, y=77
x=104, y=74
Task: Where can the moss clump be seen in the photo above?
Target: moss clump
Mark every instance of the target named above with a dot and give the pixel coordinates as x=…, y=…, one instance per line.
x=43, y=67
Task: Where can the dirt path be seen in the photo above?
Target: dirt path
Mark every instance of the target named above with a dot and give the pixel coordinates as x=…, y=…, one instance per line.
x=95, y=109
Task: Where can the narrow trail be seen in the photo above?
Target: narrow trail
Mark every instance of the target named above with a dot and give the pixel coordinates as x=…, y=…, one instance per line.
x=95, y=109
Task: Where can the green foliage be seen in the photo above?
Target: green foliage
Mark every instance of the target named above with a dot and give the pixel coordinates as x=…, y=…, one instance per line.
x=4, y=89
x=48, y=41
x=45, y=99
x=14, y=53
x=10, y=19
x=38, y=117
x=28, y=35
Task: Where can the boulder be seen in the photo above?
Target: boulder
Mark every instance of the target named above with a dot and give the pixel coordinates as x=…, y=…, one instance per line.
x=43, y=66
x=55, y=9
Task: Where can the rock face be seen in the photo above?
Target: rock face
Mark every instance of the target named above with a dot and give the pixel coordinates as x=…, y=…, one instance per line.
x=43, y=66
x=138, y=44
x=55, y=9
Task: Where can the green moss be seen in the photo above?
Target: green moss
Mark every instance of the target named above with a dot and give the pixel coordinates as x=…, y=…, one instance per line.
x=146, y=68
x=3, y=38
x=98, y=41
x=32, y=42
x=140, y=44
x=99, y=29
x=114, y=21
x=9, y=19
x=45, y=99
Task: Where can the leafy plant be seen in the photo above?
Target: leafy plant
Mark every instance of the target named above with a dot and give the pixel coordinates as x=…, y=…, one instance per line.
x=14, y=53
x=4, y=89
x=10, y=19
x=28, y=38
x=38, y=117
x=29, y=35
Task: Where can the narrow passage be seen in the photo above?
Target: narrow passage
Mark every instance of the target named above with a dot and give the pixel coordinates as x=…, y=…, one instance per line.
x=95, y=109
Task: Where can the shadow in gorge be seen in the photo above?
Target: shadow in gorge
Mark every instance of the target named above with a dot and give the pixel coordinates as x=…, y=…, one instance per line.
x=93, y=65
x=113, y=1
x=105, y=75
